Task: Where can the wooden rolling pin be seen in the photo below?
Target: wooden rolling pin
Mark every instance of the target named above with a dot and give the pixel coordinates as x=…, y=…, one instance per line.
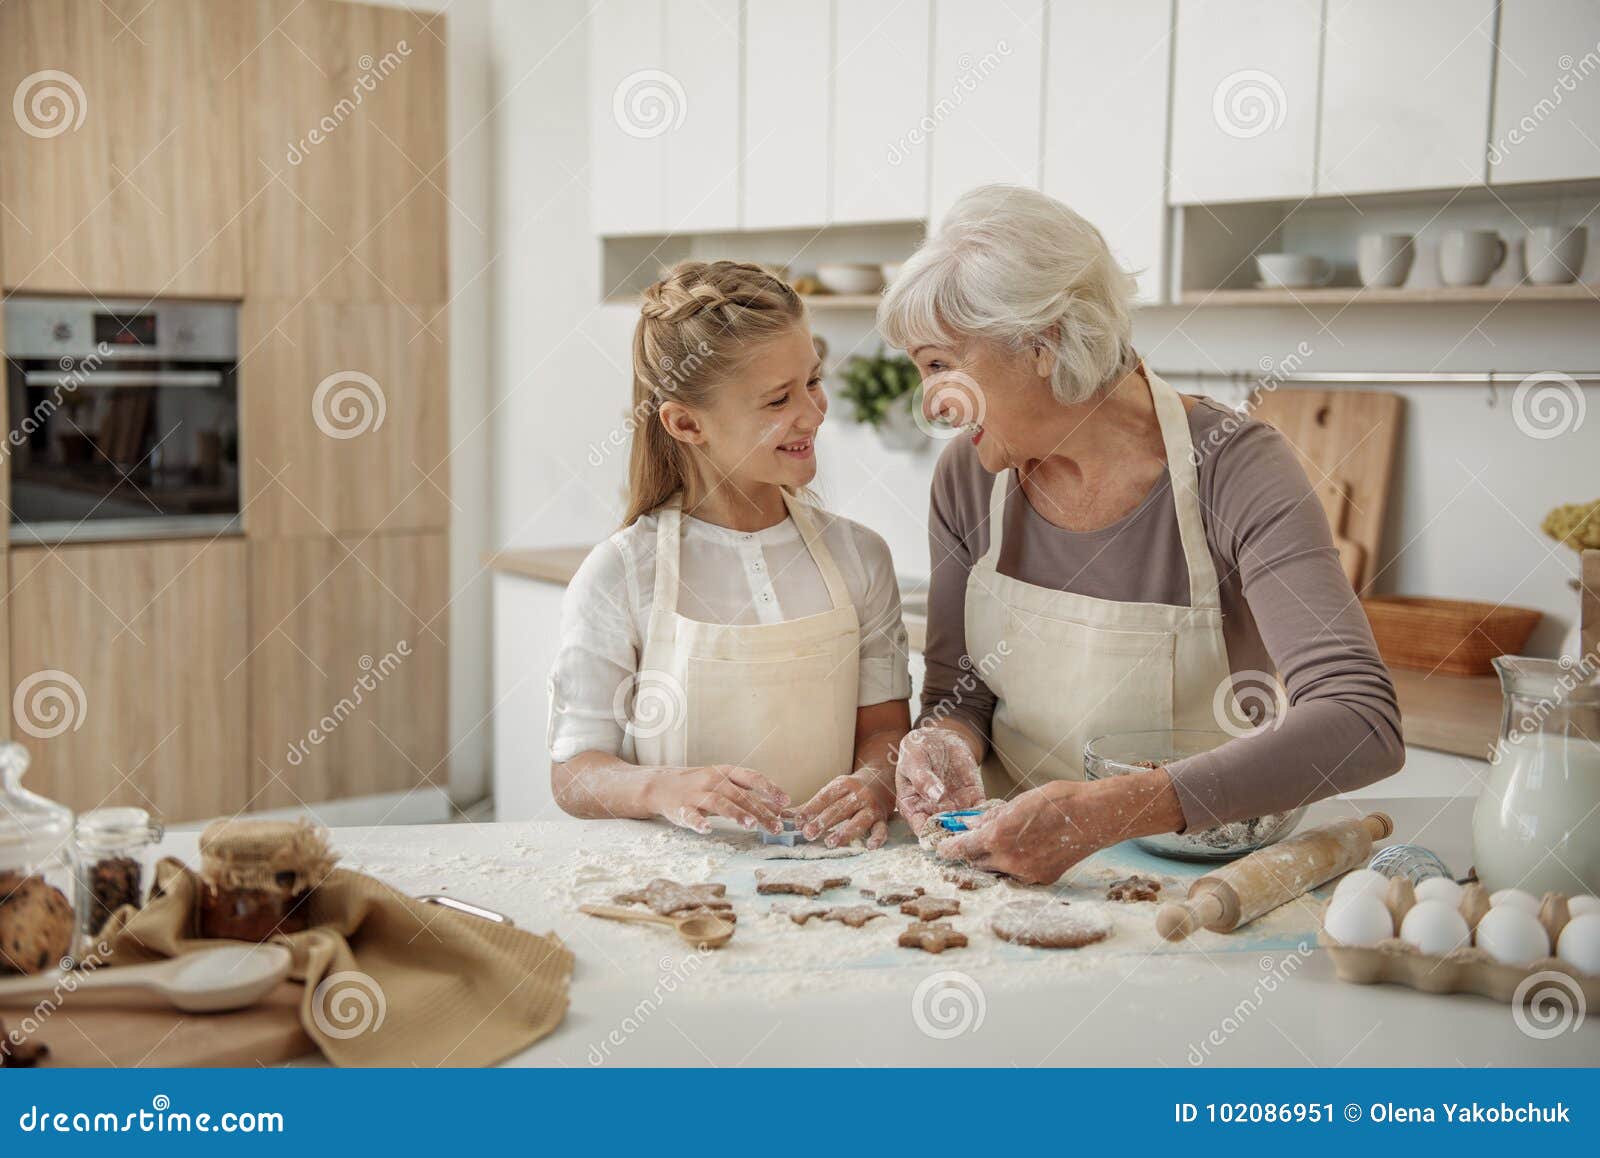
x=1240, y=892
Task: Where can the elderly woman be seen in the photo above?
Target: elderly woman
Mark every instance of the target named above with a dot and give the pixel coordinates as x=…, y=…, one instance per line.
x=1108, y=556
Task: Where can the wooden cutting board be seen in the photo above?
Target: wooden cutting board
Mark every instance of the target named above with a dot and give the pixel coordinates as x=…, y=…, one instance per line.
x=1346, y=441
x=149, y=1036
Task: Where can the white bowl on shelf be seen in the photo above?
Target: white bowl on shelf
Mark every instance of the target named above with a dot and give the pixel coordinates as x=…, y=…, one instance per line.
x=838, y=278
x=891, y=270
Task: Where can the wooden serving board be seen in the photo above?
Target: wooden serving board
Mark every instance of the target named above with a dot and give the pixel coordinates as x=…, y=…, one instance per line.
x=1346, y=440
x=148, y=1036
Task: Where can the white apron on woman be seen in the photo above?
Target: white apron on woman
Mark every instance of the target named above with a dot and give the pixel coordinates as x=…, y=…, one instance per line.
x=779, y=698
x=1066, y=668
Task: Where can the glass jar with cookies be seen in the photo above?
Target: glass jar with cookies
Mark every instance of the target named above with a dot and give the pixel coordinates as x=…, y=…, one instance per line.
x=38, y=924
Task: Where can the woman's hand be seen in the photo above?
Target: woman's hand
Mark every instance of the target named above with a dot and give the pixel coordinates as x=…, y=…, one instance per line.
x=1042, y=833
x=935, y=771
x=689, y=797
x=846, y=809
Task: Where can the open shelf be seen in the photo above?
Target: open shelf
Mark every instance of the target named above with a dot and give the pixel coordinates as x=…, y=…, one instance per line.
x=1359, y=296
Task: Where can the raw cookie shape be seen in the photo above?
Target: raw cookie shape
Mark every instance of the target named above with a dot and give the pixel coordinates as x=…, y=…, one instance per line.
x=934, y=834
x=1050, y=925
x=727, y=915
x=931, y=908
x=1134, y=888
x=932, y=938
x=669, y=897
x=806, y=851
x=802, y=913
x=969, y=879
x=853, y=915
x=894, y=894
x=801, y=882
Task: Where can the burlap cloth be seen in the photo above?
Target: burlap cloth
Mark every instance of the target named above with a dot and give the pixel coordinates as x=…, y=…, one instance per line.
x=388, y=980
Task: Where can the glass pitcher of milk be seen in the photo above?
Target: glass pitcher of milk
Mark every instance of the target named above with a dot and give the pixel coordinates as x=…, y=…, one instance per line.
x=1537, y=823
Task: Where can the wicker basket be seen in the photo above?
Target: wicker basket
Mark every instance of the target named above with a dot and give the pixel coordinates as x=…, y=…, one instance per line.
x=1452, y=636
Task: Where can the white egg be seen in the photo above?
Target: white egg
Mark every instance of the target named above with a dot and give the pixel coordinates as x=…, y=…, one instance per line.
x=1579, y=945
x=1512, y=936
x=1357, y=919
x=1583, y=904
x=1363, y=882
x=1439, y=889
x=1514, y=898
x=1435, y=928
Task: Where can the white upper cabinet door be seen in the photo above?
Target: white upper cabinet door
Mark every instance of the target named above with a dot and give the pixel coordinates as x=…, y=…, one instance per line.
x=1244, y=107
x=704, y=56
x=880, y=97
x=1105, y=124
x=1546, y=122
x=988, y=96
x=786, y=64
x=1405, y=94
x=633, y=106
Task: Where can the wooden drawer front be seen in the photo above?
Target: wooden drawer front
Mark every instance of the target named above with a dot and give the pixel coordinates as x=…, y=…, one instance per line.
x=345, y=414
x=348, y=665
x=143, y=647
x=345, y=153
x=125, y=176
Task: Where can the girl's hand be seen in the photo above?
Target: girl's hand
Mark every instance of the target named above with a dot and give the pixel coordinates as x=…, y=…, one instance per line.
x=935, y=772
x=689, y=797
x=1041, y=834
x=847, y=809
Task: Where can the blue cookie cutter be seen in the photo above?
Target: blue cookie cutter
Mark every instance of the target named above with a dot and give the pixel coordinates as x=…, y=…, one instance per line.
x=789, y=837
x=952, y=821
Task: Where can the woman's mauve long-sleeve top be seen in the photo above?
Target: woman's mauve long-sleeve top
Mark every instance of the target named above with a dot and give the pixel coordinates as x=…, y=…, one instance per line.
x=1286, y=607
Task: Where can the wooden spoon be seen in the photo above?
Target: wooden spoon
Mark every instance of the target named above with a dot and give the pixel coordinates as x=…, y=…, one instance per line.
x=700, y=930
x=212, y=980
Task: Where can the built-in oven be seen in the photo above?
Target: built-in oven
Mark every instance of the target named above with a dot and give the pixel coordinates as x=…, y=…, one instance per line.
x=123, y=418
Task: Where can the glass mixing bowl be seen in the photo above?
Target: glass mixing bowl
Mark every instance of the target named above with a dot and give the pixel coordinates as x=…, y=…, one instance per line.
x=1124, y=752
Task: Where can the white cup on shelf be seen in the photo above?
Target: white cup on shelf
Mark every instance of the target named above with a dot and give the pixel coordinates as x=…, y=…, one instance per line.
x=1470, y=256
x=1555, y=253
x=1384, y=259
x=1292, y=270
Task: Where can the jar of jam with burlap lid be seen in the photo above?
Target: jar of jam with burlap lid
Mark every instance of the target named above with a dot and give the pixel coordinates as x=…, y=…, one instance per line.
x=257, y=877
x=37, y=923
x=114, y=847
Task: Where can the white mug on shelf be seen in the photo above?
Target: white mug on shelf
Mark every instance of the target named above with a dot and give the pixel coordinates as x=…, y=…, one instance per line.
x=1556, y=253
x=1470, y=256
x=1292, y=270
x=1384, y=259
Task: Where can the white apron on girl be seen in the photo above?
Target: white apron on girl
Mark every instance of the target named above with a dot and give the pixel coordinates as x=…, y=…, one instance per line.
x=779, y=698
x=1066, y=668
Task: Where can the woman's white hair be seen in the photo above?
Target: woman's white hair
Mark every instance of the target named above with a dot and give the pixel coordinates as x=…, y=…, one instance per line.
x=1010, y=264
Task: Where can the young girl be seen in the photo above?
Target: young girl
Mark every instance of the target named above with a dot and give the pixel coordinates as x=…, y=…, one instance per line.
x=733, y=651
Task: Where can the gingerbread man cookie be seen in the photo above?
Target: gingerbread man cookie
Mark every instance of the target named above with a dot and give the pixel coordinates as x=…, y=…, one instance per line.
x=931, y=908
x=1050, y=925
x=801, y=882
x=1134, y=888
x=932, y=938
x=669, y=897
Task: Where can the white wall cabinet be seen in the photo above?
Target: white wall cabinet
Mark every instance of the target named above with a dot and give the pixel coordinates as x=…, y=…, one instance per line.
x=988, y=97
x=1244, y=107
x=632, y=106
x=703, y=54
x=786, y=109
x=1405, y=94
x=1546, y=123
x=1105, y=141
x=880, y=78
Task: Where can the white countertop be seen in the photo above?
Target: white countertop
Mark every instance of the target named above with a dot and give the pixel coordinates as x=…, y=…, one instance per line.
x=640, y=998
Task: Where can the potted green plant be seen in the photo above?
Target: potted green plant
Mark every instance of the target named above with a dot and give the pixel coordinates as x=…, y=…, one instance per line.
x=883, y=389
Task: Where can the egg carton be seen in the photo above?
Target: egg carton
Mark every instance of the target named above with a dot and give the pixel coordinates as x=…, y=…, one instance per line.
x=1464, y=970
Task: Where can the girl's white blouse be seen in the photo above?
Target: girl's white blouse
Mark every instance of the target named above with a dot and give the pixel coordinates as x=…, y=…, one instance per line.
x=727, y=576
